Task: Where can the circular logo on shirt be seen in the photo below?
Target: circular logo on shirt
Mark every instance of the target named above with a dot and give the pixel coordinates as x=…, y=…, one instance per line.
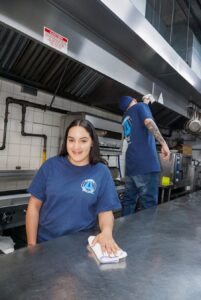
x=88, y=186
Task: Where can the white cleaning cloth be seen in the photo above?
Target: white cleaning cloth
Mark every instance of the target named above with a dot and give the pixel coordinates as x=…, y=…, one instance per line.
x=6, y=244
x=104, y=258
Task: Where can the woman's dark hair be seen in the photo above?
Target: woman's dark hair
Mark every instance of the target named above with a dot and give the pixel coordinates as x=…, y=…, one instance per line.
x=94, y=154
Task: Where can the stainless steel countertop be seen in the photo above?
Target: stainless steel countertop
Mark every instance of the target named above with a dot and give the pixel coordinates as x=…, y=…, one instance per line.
x=164, y=261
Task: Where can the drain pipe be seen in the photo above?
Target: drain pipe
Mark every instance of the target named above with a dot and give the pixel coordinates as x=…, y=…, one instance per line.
x=44, y=155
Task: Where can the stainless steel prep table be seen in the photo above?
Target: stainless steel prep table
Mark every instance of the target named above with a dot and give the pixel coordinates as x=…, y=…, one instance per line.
x=164, y=261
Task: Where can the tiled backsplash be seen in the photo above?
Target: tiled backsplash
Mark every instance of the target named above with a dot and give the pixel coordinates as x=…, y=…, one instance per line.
x=26, y=152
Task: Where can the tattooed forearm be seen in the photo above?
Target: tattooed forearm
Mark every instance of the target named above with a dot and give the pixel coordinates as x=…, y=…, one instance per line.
x=152, y=127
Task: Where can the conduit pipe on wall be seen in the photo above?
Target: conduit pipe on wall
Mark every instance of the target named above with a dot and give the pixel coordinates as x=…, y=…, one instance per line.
x=3, y=146
x=24, y=105
x=23, y=133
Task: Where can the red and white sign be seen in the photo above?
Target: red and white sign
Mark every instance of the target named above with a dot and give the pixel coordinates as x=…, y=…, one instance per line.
x=55, y=40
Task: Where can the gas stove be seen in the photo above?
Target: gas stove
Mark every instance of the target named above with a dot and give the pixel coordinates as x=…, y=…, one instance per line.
x=13, y=210
x=14, y=197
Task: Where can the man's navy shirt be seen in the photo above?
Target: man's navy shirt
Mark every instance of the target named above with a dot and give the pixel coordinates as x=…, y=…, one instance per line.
x=141, y=154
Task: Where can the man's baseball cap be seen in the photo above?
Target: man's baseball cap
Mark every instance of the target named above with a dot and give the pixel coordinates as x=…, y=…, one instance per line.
x=124, y=102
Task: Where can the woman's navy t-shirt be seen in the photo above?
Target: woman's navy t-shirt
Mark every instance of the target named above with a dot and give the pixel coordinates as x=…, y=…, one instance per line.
x=72, y=196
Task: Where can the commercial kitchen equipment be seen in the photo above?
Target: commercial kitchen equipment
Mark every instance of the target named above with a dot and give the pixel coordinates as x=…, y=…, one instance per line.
x=196, y=175
x=178, y=169
x=109, y=132
x=14, y=197
x=163, y=262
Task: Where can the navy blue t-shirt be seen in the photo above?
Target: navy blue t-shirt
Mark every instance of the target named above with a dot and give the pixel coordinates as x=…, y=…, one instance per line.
x=141, y=154
x=72, y=196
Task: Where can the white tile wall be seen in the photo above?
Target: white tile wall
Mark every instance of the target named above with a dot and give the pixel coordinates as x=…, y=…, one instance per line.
x=2, y=109
x=14, y=137
x=29, y=114
x=38, y=117
x=12, y=161
x=13, y=150
x=36, y=141
x=47, y=129
x=25, y=151
x=3, y=161
x=28, y=126
x=26, y=140
x=56, y=120
x=36, y=151
x=14, y=125
x=15, y=112
x=37, y=128
x=1, y=123
x=34, y=163
x=48, y=119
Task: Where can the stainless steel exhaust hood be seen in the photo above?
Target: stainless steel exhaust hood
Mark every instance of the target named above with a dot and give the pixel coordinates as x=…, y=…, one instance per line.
x=133, y=36
x=100, y=67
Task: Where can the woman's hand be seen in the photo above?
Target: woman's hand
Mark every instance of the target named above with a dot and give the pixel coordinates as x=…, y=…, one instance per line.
x=106, y=242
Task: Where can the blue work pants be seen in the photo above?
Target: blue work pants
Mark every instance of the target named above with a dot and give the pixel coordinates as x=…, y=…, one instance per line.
x=143, y=188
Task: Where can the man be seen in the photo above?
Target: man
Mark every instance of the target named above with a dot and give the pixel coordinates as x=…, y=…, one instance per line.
x=142, y=163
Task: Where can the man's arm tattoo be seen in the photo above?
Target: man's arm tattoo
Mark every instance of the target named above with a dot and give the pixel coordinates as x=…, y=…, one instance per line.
x=152, y=127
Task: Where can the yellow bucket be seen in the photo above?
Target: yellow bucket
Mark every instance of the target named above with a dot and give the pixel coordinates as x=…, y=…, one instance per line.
x=165, y=180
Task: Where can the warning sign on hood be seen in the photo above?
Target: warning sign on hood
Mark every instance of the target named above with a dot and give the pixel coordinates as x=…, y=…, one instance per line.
x=55, y=40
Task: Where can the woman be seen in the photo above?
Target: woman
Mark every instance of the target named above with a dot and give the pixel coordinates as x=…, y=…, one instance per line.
x=70, y=190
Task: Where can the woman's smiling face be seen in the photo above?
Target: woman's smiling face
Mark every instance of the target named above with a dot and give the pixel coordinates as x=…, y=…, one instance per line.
x=78, y=145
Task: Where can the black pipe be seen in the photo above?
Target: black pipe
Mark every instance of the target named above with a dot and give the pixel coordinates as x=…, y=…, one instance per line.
x=36, y=105
x=24, y=105
x=32, y=134
x=3, y=146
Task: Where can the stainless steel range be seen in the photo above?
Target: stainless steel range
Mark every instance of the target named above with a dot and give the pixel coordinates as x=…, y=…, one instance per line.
x=14, y=197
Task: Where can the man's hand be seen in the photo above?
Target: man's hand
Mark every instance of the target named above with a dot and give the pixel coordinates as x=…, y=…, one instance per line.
x=165, y=152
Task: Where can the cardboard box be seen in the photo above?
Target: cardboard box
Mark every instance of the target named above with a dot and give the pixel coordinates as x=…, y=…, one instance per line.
x=185, y=149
